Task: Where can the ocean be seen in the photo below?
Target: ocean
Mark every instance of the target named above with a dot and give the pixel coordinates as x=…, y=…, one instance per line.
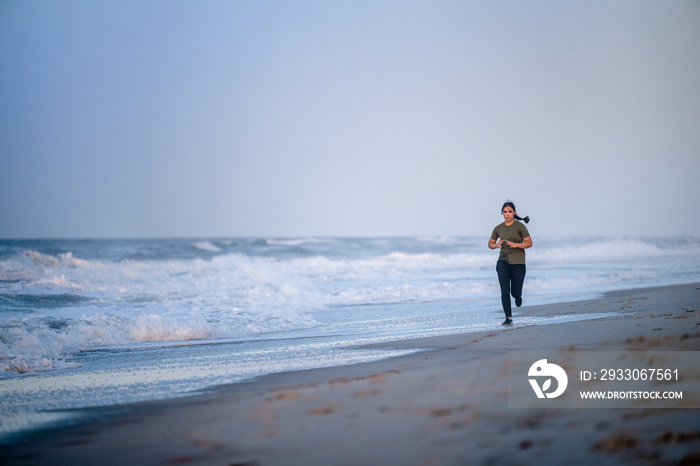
x=86, y=323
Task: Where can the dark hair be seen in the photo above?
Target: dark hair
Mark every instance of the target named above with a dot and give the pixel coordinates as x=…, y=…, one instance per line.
x=512, y=206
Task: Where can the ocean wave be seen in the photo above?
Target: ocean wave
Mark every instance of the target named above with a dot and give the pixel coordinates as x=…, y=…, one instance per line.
x=61, y=260
x=30, y=264
x=413, y=292
x=392, y=265
x=604, y=279
x=43, y=344
x=206, y=246
x=293, y=242
x=619, y=249
x=43, y=260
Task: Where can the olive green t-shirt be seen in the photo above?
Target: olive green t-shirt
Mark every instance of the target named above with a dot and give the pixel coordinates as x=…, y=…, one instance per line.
x=515, y=233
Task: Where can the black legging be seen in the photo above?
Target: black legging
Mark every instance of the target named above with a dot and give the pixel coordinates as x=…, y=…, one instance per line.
x=511, y=278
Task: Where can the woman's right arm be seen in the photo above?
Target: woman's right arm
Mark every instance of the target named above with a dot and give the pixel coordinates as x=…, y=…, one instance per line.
x=493, y=244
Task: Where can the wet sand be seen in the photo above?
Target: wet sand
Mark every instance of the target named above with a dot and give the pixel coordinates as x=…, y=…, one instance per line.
x=446, y=405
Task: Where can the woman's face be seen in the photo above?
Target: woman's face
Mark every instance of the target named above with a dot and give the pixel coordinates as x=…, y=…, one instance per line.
x=508, y=214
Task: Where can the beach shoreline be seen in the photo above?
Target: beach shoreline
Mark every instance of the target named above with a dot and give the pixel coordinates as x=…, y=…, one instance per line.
x=444, y=404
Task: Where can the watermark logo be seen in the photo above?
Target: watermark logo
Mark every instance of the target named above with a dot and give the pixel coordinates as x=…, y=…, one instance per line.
x=602, y=379
x=546, y=372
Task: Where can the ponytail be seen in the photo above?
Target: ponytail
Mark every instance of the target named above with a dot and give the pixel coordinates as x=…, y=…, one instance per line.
x=512, y=206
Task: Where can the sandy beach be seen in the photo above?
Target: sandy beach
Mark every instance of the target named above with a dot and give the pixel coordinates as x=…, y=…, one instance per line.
x=446, y=405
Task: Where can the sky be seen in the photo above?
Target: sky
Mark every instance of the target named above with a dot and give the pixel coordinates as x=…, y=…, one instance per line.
x=179, y=118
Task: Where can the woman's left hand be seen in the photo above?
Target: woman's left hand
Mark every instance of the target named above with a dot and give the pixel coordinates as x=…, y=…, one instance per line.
x=527, y=243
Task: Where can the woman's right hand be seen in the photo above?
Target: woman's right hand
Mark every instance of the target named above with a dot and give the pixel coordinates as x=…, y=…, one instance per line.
x=495, y=244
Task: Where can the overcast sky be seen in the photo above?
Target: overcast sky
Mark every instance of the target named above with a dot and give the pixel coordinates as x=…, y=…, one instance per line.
x=295, y=118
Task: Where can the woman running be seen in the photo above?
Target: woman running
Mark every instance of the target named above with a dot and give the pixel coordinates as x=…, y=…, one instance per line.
x=513, y=238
